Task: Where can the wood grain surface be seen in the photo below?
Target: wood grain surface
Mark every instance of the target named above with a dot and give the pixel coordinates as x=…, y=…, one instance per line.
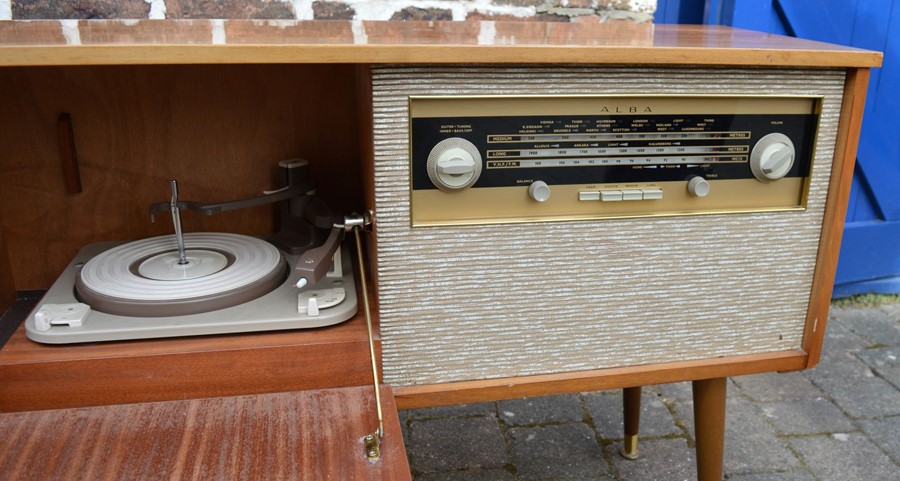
x=310, y=435
x=68, y=155
x=220, y=130
x=39, y=376
x=144, y=110
x=413, y=397
x=854, y=103
x=7, y=283
x=242, y=41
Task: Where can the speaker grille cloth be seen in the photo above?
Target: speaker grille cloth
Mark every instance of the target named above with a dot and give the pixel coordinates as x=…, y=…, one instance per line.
x=476, y=302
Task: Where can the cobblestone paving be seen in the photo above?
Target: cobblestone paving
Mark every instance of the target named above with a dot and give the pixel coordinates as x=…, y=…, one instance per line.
x=837, y=422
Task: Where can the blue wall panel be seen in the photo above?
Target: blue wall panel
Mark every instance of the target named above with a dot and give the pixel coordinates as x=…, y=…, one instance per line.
x=679, y=11
x=860, y=208
x=750, y=15
x=878, y=260
x=870, y=252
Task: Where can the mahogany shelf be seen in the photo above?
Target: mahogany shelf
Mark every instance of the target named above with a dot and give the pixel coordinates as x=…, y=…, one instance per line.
x=38, y=376
x=296, y=435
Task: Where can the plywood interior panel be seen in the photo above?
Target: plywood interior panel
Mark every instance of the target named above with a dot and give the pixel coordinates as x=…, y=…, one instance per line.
x=220, y=130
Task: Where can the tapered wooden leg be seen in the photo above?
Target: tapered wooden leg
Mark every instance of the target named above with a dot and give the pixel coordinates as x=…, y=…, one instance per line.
x=631, y=403
x=709, y=425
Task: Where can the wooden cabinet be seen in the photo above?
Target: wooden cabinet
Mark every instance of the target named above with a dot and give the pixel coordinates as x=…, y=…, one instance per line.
x=217, y=104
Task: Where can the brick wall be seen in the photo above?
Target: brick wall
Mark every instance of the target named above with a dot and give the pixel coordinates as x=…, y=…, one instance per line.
x=547, y=10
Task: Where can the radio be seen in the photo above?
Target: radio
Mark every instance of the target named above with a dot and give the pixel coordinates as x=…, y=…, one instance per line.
x=515, y=159
x=552, y=224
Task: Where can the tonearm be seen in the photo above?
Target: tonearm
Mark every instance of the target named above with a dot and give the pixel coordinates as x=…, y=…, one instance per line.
x=306, y=224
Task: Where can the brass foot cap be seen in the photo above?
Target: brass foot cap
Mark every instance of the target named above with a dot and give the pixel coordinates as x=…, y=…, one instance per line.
x=629, y=450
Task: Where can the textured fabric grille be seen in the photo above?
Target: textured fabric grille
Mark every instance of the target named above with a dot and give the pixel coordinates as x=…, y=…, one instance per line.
x=475, y=302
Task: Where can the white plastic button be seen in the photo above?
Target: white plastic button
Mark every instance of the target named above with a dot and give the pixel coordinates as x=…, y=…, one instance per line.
x=60, y=315
x=652, y=194
x=632, y=194
x=610, y=195
x=589, y=195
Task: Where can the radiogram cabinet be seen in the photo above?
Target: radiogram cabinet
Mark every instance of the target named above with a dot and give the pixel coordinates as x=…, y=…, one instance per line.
x=557, y=207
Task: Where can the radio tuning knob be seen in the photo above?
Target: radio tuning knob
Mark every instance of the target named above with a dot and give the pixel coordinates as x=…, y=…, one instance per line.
x=772, y=157
x=698, y=186
x=454, y=164
x=539, y=191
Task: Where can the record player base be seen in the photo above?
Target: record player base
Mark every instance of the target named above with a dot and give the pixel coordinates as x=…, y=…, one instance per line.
x=37, y=376
x=297, y=435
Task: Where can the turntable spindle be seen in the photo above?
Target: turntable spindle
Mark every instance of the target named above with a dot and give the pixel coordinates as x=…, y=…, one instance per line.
x=176, y=220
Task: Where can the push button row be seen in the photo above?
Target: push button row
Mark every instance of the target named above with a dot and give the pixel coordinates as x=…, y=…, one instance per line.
x=618, y=195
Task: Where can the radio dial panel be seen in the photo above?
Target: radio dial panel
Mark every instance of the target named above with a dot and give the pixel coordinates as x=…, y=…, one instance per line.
x=495, y=159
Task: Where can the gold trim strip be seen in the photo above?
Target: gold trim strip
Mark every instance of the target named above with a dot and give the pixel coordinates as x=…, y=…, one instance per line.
x=521, y=105
x=501, y=205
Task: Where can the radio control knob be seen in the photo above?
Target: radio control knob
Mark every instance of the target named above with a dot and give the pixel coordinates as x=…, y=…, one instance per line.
x=454, y=164
x=698, y=186
x=772, y=157
x=539, y=191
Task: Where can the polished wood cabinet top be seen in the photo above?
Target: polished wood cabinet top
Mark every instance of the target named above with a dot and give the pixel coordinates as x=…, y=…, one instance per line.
x=147, y=42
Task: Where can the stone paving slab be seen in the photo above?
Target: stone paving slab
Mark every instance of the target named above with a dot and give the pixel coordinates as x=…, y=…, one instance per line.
x=459, y=410
x=815, y=416
x=864, y=398
x=564, y=452
x=658, y=459
x=775, y=476
x=837, y=422
x=870, y=324
x=547, y=409
x=453, y=444
x=885, y=362
x=469, y=475
x=886, y=434
x=606, y=410
x=768, y=387
x=676, y=391
x=845, y=457
x=751, y=444
x=839, y=340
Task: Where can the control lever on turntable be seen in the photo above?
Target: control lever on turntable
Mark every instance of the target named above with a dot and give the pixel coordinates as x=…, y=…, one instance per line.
x=313, y=265
x=356, y=223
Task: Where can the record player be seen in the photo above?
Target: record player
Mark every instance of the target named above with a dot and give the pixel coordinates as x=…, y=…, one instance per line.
x=189, y=284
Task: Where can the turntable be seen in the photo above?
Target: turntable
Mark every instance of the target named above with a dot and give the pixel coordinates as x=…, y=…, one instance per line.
x=190, y=284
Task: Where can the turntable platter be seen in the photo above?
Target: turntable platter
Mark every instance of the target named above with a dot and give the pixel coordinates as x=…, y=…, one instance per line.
x=143, y=278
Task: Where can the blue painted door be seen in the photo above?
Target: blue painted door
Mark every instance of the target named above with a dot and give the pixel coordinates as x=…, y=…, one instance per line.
x=870, y=252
